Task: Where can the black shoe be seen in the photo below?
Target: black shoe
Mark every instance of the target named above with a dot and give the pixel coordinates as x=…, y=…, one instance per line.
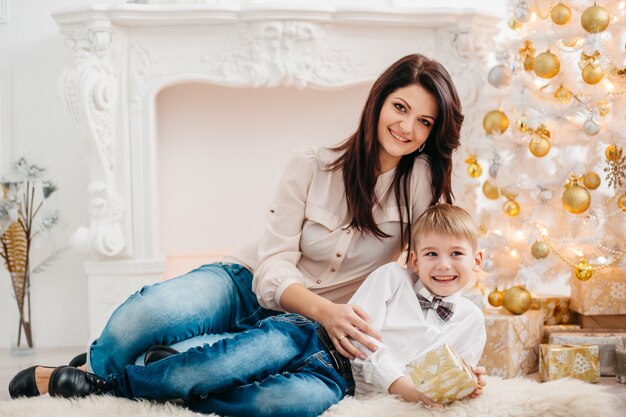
x=69, y=382
x=79, y=360
x=158, y=352
x=24, y=384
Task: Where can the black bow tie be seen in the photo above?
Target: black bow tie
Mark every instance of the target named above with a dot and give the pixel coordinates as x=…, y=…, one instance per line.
x=443, y=308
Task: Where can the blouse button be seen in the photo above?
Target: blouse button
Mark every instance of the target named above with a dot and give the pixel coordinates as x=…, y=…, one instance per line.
x=332, y=269
x=319, y=281
x=338, y=254
x=347, y=231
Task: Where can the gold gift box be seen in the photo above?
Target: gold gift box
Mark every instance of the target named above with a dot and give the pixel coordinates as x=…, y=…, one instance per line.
x=606, y=342
x=512, y=343
x=603, y=294
x=548, y=330
x=569, y=361
x=442, y=375
x=556, y=309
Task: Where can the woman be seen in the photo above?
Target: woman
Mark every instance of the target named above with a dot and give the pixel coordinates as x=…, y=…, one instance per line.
x=338, y=214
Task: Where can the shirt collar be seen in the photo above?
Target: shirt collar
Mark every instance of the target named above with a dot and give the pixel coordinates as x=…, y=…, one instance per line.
x=420, y=289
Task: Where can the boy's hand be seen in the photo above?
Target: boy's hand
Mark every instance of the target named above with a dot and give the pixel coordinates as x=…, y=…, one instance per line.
x=346, y=322
x=405, y=389
x=479, y=372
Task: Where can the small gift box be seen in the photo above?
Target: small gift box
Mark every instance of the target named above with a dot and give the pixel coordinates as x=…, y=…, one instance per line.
x=557, y=328
x=556, y=309
x=620, y=361
x=512, y=343
x=573, y=361
x=442, y=375
x=606, y=343
x=604, y=293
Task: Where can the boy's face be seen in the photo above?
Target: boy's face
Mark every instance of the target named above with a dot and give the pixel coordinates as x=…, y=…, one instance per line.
x=444, y=263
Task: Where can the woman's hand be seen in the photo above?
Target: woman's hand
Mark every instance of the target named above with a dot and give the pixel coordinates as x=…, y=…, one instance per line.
x=346, y=322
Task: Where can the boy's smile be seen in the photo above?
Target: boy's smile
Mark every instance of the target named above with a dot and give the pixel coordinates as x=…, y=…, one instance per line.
x=444, y=263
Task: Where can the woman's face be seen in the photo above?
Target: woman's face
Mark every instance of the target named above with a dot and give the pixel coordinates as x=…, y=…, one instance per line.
x=406, y=119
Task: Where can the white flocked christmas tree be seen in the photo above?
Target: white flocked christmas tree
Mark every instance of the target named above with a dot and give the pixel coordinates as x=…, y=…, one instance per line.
x=549, y=170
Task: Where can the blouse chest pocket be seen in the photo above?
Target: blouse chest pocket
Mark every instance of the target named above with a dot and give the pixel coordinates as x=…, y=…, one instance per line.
x=318, y=229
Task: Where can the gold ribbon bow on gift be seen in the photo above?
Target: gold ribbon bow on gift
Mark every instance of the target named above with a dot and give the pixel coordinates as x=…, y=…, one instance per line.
x=527, y=49
x=593, y=60
x=542, y=132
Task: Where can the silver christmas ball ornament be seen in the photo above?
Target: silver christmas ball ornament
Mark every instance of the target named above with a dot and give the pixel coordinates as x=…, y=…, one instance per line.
x=591, y=127
x=521, y=13
x=500, y=76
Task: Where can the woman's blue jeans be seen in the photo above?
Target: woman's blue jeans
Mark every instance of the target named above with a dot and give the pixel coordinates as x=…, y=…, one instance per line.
x=212, y=299
x=278, y=368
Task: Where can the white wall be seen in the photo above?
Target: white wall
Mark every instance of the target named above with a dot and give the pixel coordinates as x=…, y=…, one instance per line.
x=33, y=49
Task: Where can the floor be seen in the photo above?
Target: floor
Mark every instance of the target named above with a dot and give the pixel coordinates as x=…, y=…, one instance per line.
x=10, y=365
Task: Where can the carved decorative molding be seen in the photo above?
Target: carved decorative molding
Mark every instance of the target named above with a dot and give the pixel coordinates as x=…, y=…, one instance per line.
x=91, y=91
x=5, y=120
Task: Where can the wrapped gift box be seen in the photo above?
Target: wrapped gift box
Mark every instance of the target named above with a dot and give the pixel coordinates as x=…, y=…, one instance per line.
x=512, y=345
x=569, y=361
x=442, y=375
x=611, y=321
x=604, y=293
x=620, y=361
x=557, y=328
x=606, y=342
x=556, y=309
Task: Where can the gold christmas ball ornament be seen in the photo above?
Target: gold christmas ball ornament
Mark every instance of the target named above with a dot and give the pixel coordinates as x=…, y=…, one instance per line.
x=591, y=180
x=595, y=19
x=570, y=42
x=495, y=122
x=576, y=199
x=474, y=170
x=539, y=146
x=511, y=208
x=540, y=249
x=517, y=300
x=491, y=191
x=561, y=14
x=621, y=202
x=584, y=271
x=613, y=152
x=604, y=107
x=563, y=94
x=590, y=127
x=592, y=74
x=521, y=125
x=547, y=65
x=500, y=76
x=514, y=23
x=496, y=298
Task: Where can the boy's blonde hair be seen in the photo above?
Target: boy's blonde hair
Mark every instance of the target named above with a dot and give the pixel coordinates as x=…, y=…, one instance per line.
x=446, y=219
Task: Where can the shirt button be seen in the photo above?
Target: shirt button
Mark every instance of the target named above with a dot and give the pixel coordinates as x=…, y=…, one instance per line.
x=332, y=269
x=319, y=281
x=348, y=231
x=338, y=254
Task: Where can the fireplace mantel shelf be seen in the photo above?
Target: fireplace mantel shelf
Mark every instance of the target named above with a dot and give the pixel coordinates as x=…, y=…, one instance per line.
x=123, y=55
x=185, y=14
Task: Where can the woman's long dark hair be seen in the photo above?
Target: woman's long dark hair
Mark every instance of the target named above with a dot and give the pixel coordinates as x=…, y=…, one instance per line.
x=360, y=161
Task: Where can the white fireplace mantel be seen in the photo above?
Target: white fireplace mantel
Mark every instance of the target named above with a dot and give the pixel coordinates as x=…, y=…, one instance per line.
x=125, y=54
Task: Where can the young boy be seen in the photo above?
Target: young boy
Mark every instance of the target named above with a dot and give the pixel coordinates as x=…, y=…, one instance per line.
x=414, y=309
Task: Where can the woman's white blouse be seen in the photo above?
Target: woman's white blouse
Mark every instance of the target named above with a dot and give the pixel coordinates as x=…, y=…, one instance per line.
x=307, y=239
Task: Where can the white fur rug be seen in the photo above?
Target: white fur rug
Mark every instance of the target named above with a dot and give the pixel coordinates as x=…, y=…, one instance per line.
x=501, y=398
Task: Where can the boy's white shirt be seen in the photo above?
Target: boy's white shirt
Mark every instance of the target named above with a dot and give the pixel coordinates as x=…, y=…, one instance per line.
x=388, y=295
